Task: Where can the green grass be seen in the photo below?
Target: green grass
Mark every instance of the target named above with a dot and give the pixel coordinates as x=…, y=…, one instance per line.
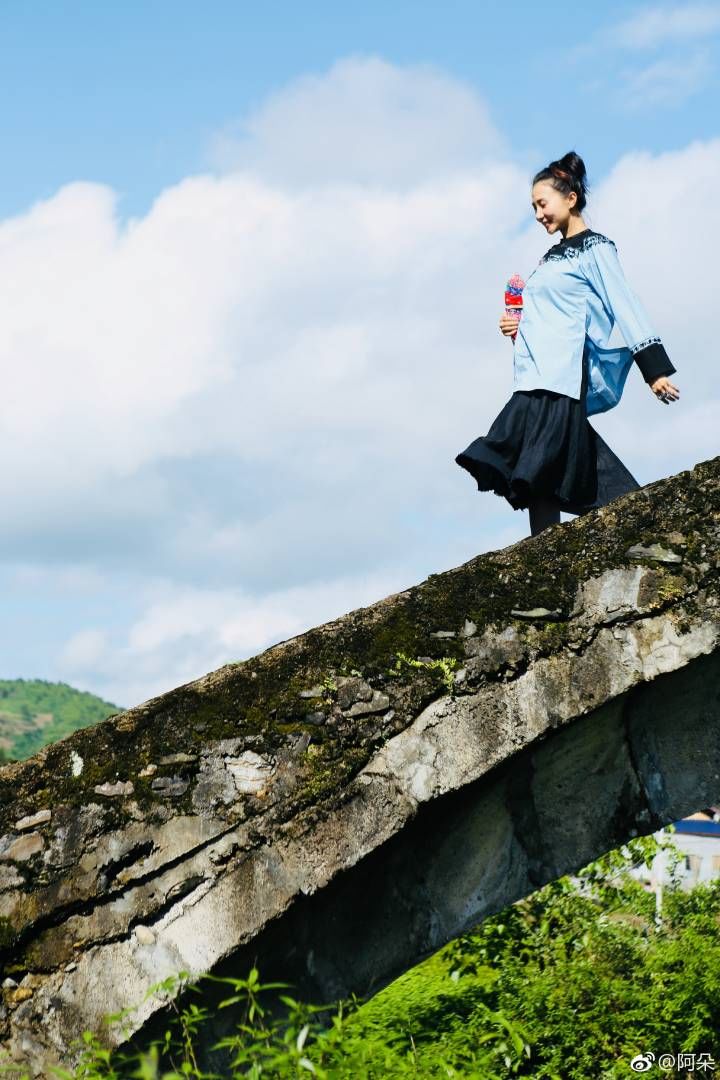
x=567, y=984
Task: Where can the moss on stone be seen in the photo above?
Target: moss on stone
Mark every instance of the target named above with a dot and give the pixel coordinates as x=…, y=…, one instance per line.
x=550, y=637
x=259, y=699
x=671, y=586
x=8, y=934
x=328, y=766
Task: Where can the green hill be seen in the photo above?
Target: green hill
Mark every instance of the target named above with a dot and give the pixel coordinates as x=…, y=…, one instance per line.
x=34, y=712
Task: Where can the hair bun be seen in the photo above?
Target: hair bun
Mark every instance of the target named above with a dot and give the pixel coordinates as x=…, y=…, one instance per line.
x=573, y=164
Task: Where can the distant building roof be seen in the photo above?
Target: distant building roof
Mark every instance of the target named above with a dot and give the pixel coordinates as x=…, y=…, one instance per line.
x=698, y=825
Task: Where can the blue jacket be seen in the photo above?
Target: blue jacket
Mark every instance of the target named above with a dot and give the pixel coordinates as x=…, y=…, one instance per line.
x=571, y=301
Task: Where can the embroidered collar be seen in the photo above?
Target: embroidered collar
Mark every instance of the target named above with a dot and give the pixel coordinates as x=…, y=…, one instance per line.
x=571, y=246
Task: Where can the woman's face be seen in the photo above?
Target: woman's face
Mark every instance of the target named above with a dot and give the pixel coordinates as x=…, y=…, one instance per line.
x=552, y=208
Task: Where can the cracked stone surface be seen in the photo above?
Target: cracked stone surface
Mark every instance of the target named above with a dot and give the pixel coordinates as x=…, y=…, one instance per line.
x=339, y=814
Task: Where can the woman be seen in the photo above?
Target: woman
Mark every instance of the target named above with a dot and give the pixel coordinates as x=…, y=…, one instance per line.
x=541, y=453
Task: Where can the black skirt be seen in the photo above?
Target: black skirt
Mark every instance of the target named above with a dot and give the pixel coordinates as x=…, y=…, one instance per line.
x=542, y=444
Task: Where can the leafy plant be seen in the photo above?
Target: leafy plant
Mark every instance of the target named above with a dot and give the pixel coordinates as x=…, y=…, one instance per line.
x=445, y=666
x=566, y=984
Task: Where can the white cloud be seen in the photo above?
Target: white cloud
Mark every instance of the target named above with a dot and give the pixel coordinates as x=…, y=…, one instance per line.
x=185, y=631
x=254, y=394
x=300, y=338
x=641, y=205
x=85, y=649
x=669, y=81
x=677, y=72
x=364, y=120
x=658, y=25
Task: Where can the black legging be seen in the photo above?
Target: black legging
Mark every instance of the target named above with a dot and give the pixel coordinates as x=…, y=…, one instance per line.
x=543, y=513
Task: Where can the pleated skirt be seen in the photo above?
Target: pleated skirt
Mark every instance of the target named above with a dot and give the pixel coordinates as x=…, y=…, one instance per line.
x=542, y=445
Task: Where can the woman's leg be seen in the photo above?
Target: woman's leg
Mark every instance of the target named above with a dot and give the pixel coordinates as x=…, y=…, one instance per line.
x=543, y=514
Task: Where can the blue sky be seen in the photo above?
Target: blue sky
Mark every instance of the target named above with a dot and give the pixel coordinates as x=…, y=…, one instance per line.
x=252, y=261
x=131, y=94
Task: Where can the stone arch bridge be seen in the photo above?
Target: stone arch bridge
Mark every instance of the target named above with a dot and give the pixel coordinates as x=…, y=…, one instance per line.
x=343, y=804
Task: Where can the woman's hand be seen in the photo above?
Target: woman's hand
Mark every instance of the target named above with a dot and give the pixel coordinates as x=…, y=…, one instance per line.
x=508, y=325
x=663, y=389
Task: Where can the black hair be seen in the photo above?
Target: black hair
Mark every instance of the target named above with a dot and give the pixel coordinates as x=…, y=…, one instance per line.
x=567, y=174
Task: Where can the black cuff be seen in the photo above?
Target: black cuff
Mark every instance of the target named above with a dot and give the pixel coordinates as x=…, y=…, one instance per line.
x=653, y=362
